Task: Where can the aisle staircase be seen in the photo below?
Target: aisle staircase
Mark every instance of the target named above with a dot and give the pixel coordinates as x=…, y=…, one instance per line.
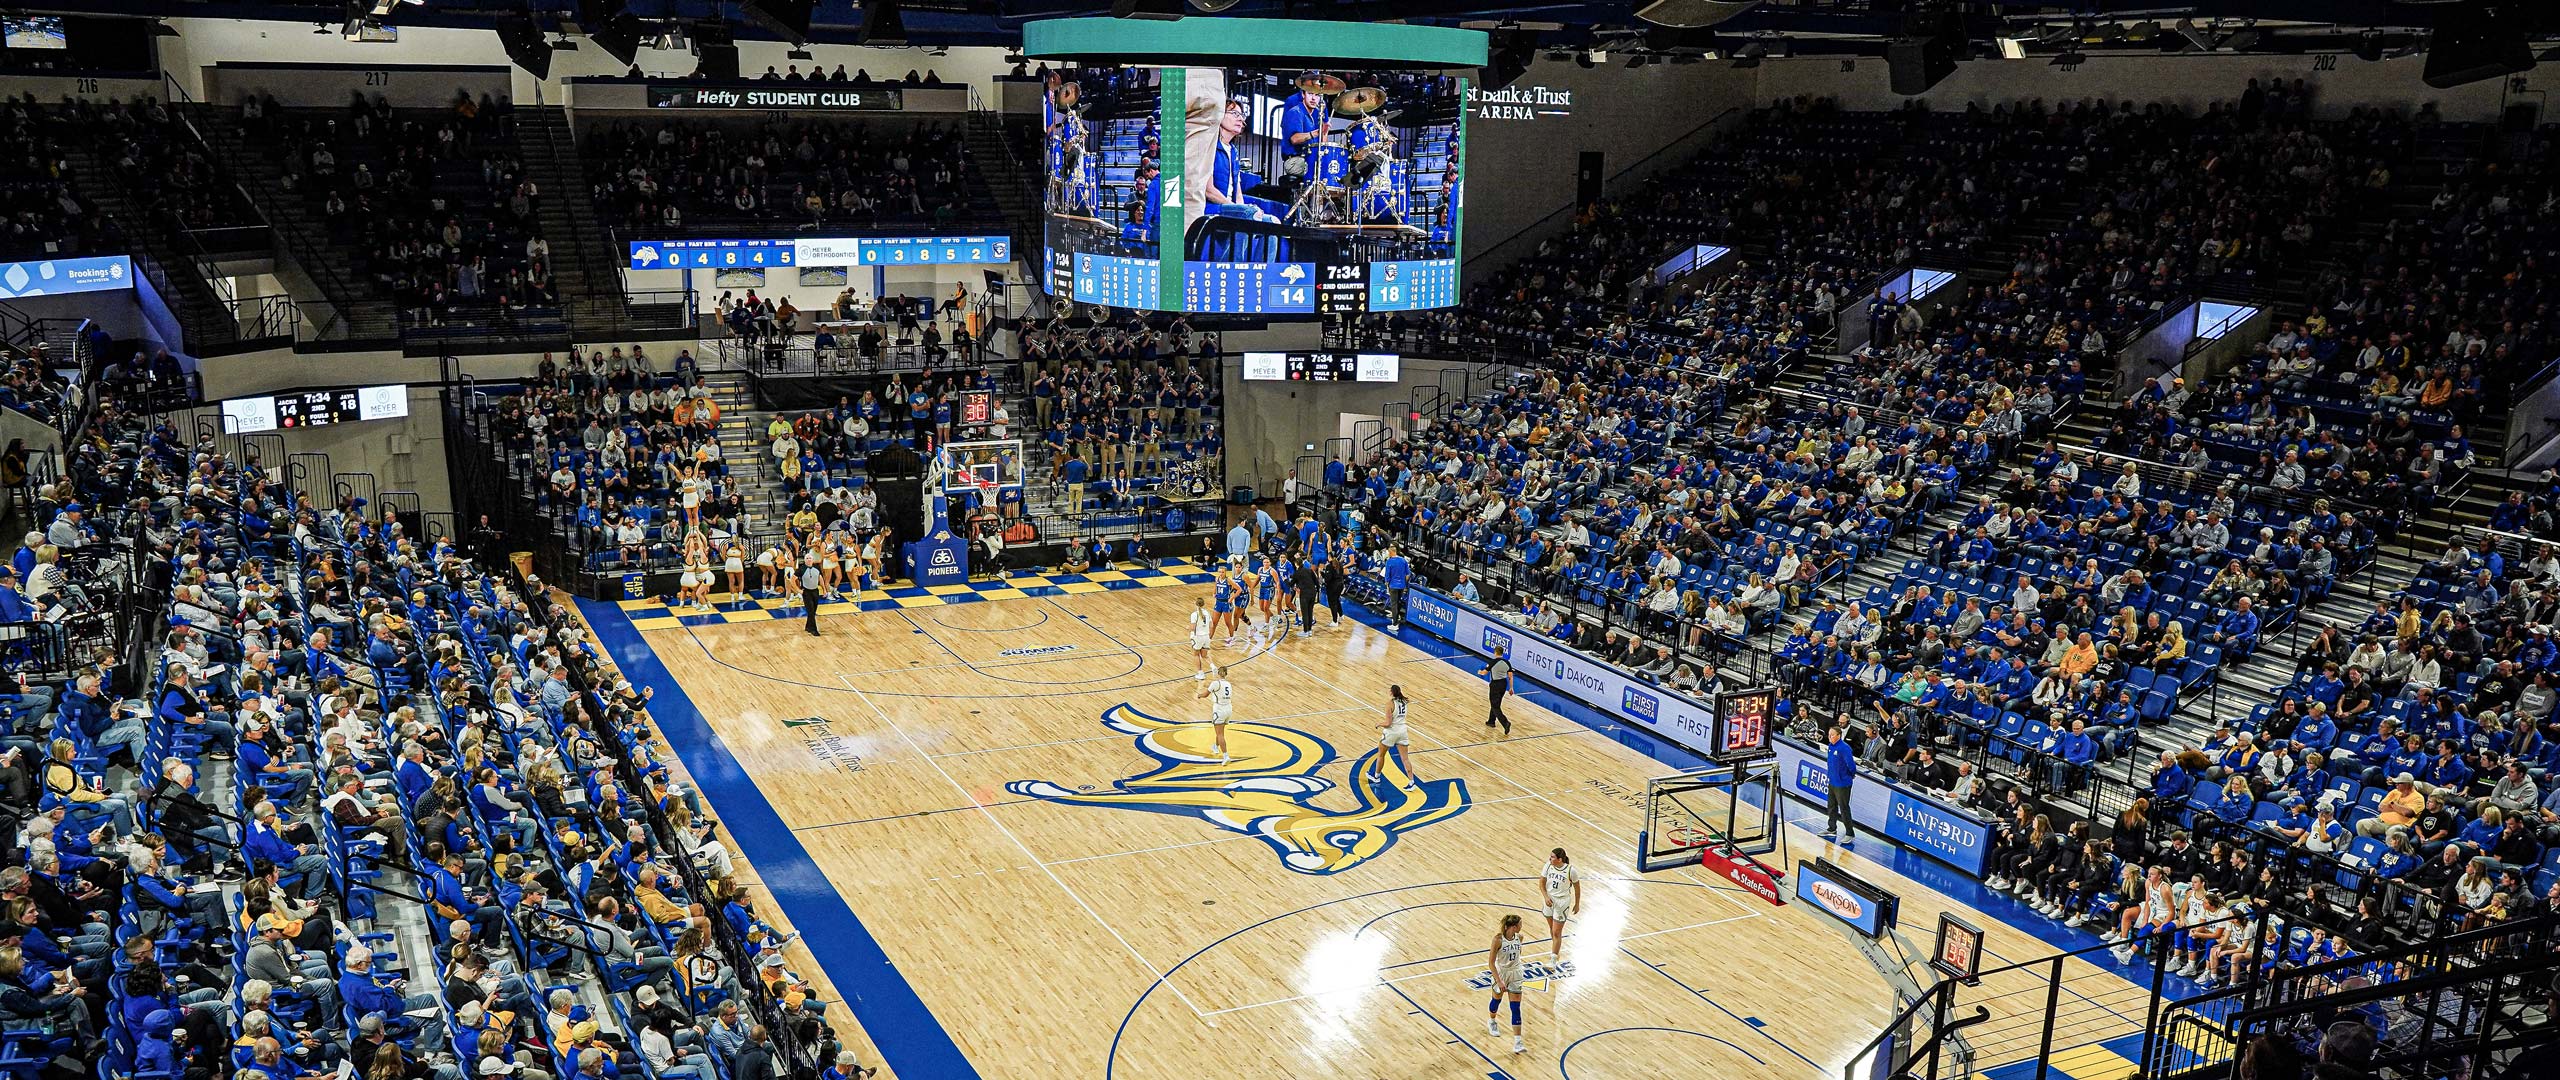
x=585, y=269
x=351, y=310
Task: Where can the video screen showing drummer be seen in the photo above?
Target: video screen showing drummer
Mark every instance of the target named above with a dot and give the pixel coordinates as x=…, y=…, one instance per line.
x=1102, y=143
x=1329, y=143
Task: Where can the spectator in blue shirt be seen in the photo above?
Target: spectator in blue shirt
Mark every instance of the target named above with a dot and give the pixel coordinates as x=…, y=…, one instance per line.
x=1840, y=770
x=1399, y=575
x=2396, y=859
x=2171, y=781
x=2238, y=628
x=2235, y=804
x=364, y=996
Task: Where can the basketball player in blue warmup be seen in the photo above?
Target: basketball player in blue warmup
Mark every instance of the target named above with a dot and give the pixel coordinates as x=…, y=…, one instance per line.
x=1224, y=611
x=1399, y=574
x=1287, y=569
x=1266, y=589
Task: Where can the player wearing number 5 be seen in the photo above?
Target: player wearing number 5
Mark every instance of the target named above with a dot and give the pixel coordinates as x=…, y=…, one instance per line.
x=1560, y=886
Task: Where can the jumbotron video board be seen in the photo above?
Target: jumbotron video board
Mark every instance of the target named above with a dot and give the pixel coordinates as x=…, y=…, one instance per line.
x=1297, y=189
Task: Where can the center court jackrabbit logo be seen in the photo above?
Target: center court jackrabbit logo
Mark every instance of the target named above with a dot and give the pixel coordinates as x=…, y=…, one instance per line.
x=1267, y=790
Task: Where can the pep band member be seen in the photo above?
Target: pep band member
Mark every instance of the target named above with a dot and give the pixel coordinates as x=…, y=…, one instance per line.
x=1229, y=181
x=1303, y=122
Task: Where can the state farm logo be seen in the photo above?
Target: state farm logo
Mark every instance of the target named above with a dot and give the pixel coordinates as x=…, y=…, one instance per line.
x=1838, y=901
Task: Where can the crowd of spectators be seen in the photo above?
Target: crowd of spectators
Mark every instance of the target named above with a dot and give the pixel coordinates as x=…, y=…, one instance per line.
x=668, y=176
x=2074, y=597
x=162, y=164
x=435, y=203
x=1127, y=409
x=623, y=457
x=42, y=213
x=214, y=863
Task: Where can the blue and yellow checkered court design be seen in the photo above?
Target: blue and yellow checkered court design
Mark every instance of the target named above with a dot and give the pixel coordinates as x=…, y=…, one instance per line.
x=654, y=614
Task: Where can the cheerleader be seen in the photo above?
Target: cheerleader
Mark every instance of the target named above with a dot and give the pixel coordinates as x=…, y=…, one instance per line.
x=735, y=562
x=769, y=566
x=875, y=554
x=691, y=483
x=830, y=567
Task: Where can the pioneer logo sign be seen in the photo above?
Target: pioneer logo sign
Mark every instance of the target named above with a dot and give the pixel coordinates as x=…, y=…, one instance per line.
x=778, y=99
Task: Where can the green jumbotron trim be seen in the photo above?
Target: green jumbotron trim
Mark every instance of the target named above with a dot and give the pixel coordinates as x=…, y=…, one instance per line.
x=1176, y=41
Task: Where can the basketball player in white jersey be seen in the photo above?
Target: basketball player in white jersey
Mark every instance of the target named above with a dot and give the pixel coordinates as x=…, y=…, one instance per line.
x=1201, y=627
x=1504, y=961
x=1560, y=888
x=1393, y=736
x=1256, y=631
x=1222, y=706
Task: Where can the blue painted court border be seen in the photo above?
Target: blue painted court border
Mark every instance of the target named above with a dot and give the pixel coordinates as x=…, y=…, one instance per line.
x=911, y=1041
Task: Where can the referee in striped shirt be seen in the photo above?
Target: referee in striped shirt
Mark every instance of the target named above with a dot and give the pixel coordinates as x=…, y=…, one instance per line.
x=1497, y=685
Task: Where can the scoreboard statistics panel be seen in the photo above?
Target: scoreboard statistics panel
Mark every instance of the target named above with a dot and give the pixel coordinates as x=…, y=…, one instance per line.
x=313, y=408
x=1323, y=365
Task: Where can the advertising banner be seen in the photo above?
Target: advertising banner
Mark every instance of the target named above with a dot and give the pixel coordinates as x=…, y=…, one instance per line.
x=778, y=98
x=1916, y=821
x=57, y=277
x=1924, y=824
x=1684, y=722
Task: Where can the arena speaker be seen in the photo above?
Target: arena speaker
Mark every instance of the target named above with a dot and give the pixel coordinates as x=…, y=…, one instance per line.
x=715, y=53
x=785, y=19
x=524, y=44
x=2476, y=41
x=1693, y=13
x=882, y=24
x=1925, y=54
x=1146, y=9
x=619, y=36
x=1508, y=54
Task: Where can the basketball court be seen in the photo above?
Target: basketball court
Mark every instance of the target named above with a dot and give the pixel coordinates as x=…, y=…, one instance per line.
x=1009, y=842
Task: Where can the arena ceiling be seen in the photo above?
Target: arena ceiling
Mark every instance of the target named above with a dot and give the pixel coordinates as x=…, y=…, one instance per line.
x=1848, y=27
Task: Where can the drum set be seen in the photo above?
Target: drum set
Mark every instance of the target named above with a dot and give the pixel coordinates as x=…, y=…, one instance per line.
x=1352, y=175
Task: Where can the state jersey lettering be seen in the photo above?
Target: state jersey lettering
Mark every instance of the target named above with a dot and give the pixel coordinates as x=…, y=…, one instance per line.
x=1560, y=881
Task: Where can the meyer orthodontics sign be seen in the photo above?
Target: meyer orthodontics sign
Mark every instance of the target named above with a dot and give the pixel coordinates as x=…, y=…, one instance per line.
x=779, y=98
x=1518, y=103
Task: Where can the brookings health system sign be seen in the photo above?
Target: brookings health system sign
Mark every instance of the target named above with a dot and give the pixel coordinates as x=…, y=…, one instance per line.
x=780, y=98
x=1926, y=825
x=1518, y=103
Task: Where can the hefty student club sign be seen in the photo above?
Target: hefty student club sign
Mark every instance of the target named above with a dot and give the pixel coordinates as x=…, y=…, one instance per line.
x=784, y=97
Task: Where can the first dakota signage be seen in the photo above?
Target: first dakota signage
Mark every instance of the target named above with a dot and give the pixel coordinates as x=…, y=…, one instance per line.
x=780, y=98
